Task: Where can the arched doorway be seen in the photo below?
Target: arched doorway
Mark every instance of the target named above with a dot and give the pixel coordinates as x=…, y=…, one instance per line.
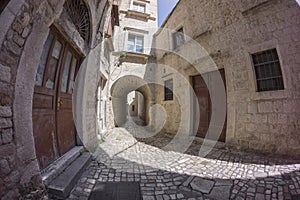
x=52, y=114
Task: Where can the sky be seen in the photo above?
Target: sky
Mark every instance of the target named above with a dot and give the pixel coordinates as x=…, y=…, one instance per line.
x=164, y=8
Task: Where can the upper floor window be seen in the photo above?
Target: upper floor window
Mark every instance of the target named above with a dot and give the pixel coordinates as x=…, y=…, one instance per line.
x=168, y=90
x=135, y=43
x=267, y=71
x=139, y=7
x=178, y=38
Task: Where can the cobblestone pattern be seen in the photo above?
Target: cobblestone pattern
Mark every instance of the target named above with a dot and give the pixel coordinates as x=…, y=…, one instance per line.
x=222, y=174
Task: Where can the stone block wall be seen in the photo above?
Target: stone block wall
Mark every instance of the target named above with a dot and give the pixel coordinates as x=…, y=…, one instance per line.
x=229, y=32
x=24, y=29
x=15, y=158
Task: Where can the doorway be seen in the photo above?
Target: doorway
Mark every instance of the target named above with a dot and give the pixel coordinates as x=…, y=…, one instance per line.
x=53, y=125
x=136, y=107
x=203, y=86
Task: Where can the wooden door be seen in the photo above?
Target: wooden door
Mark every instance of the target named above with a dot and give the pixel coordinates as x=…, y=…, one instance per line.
x=53, y=126
x=204, y=103
x=66, y=131
x=203, y=96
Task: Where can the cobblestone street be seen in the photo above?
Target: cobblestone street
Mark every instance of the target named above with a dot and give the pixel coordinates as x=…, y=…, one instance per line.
x=162, y=174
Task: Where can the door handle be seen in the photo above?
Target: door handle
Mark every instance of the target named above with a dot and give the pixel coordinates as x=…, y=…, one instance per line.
x=59, y=103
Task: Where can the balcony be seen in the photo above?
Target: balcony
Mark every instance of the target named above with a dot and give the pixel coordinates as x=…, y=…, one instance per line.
x=133, y=13
x=132, y=57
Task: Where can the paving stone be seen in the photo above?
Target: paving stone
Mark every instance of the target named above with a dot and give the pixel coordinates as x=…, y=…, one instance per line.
x=202, y=185
x=220, y=192
x=223, y=182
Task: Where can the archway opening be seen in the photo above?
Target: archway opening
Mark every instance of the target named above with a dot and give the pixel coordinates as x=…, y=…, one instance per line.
x=131, y=100
x=136, y=110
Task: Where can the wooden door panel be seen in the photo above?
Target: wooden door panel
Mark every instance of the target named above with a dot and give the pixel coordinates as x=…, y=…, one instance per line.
x=66, y=132
x=66, y=104
x=42, y=101
x=44, y=137
x=65, y=124
x=203, y=99
x=202, y=94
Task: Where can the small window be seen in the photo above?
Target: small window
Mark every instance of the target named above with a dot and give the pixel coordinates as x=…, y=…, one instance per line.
x=139, y=7
x=169, y=90
x=267, y=71
x=43, y=60
x=135, y=43
x=132, y=107
x=178, y=38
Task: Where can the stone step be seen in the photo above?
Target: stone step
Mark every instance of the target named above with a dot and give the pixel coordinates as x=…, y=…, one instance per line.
x=59, y=165
x=62, y=185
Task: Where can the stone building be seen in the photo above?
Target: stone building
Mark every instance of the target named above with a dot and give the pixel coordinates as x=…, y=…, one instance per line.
x=233, y=67
x=129, y=90
x=44, y=44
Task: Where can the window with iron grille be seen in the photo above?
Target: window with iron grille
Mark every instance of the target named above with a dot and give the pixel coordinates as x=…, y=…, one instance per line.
x=135, y=43
x=79, y=14
x=267, y=71
x=169, y=90
x=178, y=38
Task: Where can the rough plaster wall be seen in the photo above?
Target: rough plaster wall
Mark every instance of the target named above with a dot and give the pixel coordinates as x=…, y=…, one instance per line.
x=256, y=120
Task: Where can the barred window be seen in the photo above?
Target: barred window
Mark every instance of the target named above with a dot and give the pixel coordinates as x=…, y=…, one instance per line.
x=169, y=90
x=178, y=38
x=267, y=71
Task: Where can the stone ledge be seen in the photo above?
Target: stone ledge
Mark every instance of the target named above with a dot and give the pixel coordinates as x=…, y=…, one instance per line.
x=60, y=164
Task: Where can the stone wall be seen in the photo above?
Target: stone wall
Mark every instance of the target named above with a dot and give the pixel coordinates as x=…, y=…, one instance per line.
x=229, y=32
x=24, y=29
x=134, y=72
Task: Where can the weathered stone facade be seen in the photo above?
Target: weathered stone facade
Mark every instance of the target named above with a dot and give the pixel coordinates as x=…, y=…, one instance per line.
x=129, y=70
x=24, y=29
x=229, y=32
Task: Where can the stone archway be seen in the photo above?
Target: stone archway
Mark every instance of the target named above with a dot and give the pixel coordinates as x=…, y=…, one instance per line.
x=119, y=91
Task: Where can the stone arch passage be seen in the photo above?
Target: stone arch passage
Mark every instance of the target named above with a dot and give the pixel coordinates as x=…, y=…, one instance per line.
x=119, y=91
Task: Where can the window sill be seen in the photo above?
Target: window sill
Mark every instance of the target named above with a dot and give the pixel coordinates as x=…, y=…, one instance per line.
x=274, y=94
x=144, y=1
